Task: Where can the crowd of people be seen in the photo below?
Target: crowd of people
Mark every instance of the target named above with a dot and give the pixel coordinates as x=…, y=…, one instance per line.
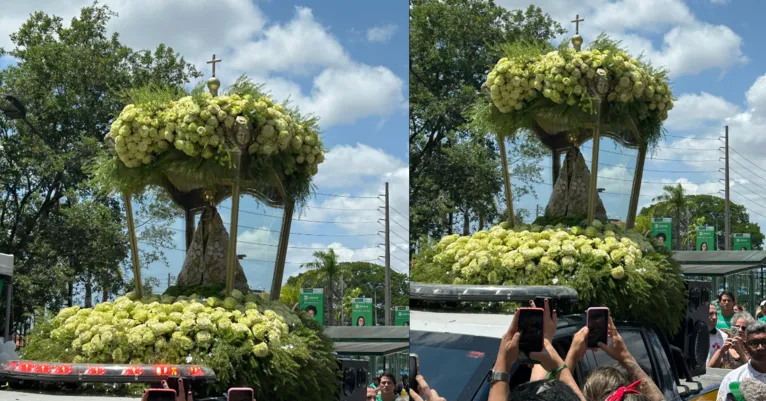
x=552, y=377
x=738, y=342
x=385, y=388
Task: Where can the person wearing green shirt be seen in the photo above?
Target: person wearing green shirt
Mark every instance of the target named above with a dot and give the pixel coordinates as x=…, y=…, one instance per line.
x=387, y=387
x=726, y=311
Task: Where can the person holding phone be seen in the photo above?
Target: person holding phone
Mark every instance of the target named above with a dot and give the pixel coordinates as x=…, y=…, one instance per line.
x=733, y=353
x=548, y=358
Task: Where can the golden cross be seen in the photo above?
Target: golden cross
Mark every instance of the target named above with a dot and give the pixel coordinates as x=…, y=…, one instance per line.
x=577, y=22
x=213, y=61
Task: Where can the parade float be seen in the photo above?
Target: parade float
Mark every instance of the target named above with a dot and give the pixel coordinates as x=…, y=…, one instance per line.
x=566, y=97
x=202, y=148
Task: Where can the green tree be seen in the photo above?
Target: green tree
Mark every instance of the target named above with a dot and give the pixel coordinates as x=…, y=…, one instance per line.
x=712, y=209
x=453, y=43
x=327, y=269
x=370, y=279
x=675, y=201
x=69, y=77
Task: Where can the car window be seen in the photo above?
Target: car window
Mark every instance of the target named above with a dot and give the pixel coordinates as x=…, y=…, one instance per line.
x=666, y=383
x=637, y=347
x=454, y=371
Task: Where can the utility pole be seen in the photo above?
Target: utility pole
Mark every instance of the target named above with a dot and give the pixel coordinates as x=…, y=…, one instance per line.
x=388, y=261
x=728, y=210
x=170, y=280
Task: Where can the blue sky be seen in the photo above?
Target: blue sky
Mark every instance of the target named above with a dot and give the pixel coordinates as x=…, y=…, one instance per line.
x=712, y=49
x=345, y=61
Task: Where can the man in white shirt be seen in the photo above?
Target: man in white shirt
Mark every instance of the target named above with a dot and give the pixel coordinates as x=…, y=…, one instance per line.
x=717, y=337
x=756, y=368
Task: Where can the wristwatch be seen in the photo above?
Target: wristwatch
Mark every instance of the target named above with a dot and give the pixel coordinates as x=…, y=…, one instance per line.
x=495, y=376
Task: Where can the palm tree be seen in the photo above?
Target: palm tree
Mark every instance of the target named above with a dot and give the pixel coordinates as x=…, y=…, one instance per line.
x=326, y=266
x=675, y=198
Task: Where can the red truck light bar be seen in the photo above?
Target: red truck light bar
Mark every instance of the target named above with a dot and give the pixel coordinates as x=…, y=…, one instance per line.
x=101, y=373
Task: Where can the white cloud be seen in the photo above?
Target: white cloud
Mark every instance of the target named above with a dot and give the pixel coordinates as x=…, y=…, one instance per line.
x=381, y=33
x=342, y=90
x=630, y=20
x=696, y=111
x=300, y=46
x=351, y=165
x=719, y=1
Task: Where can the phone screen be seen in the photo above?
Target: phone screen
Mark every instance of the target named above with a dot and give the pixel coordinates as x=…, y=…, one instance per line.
x=414, y=372
x=241, y=395
x=530, y=325
x=540, y=303
x=159, y=395
x=598, y=326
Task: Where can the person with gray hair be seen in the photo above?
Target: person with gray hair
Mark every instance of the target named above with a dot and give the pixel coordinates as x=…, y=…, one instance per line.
x=755, y=344
x=733, y=353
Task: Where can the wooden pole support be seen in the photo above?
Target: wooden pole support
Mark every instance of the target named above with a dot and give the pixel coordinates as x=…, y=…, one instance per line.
x=636, y=191
x=593, y=189
x=507, y=178
x=234, y=225
x=284, y=240
x=133, y=244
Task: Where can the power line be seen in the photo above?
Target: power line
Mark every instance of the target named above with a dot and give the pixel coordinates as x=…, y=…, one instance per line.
x=748, y=199
x=305, y=221
x=657, y=158
x=347, y=196
x=405, y=263
x=403, y=227
x=740, y=154
x=400, y=237
x=276, y=246
x=400, y=214
x=265, y=261
x=746, y=169
x=744, y=178
x=695, y=138
x=656, y=171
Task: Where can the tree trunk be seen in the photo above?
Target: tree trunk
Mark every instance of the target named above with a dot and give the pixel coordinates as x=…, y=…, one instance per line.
x=88, y=292
x=70, y=302
x=466, y=224
x=330, y=308
x=451, y=223
x=481, y=221
x=105, y=295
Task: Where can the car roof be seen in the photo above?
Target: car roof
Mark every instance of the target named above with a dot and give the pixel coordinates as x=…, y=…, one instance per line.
x=472, y=324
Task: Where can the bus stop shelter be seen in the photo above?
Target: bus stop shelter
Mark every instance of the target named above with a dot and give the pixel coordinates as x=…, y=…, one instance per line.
x=385, y=347
x=741, y=272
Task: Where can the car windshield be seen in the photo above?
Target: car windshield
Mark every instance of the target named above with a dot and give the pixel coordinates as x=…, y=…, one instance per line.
x=453, y=371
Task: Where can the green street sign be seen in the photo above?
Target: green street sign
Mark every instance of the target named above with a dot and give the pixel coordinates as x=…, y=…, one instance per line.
x=361, y=312
x=662, y=228
x=312, y=301
x=402, y=317
x=706, y=238
x=741, y=243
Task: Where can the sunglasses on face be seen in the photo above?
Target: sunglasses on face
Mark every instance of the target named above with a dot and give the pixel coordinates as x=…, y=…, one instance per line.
x=386, y=383
x=755, y=343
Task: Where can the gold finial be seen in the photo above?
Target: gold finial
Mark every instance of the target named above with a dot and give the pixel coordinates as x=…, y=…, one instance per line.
x=209, y=196
x=577, y=39
x=213, y=84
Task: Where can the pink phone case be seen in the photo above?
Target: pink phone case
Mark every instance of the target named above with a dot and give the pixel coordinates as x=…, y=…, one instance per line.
x=234, y=389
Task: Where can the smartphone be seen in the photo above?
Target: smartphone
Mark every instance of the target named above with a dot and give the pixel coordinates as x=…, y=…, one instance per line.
x=160, y=394
x=734, y=331
x=540, y=303
x=598, y=326
x=173, y=383
x=530, y=325
x=414, y=372
x=240, y=394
